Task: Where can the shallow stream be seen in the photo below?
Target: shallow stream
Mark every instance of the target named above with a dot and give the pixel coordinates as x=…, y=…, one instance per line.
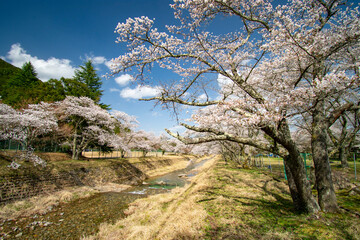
x=82, y=217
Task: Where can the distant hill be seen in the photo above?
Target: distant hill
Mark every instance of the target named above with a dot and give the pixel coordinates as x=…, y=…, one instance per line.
x=5, y=65
x=18, y=88
x=6, y=71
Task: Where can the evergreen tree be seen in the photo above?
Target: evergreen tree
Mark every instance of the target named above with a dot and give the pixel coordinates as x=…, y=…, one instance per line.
x=53, y=91
x=75, y=87
x=87, y=75
x=26, y=77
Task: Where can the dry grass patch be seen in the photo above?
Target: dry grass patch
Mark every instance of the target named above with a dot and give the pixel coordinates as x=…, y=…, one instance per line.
x=167, y=169
x=157, y=166
x=42, y=204
x=111, y=187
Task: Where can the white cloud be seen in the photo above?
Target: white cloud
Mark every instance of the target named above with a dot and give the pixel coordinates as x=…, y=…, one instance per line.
x=140, y=92
x=177, y=128
x=98, y=60
x=156, y=114
x=46, y=69
x=202, y=97
x=124, y=79
x=115, y=90
x=224, y=81
x=109, y=64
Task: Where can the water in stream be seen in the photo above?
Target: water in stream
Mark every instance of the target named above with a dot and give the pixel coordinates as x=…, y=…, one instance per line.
x=82, y=217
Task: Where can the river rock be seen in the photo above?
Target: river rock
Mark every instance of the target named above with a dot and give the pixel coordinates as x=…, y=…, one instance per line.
x=161, y=183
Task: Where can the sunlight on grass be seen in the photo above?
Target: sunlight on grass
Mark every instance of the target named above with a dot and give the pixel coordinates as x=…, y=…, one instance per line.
x=243, y=205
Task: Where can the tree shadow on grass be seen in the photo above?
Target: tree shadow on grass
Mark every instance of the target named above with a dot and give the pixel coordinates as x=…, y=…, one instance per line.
x=267, y=210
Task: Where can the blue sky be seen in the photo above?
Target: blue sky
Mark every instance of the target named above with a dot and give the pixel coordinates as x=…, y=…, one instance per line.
x=58, y=36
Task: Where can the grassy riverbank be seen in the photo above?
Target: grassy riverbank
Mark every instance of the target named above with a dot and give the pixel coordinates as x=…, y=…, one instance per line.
x=225, y=202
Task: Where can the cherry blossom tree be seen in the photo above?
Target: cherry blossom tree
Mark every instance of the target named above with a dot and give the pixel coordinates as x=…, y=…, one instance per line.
x=277, y=63
x=25, y=126
x=326, y=65
x=125, y=129
x=9, y=123
x=343, y=135
x=210, y=148
x=164, y=144
x=142, y=141
x=182, y=148
x=90, y=124
x=173, y=145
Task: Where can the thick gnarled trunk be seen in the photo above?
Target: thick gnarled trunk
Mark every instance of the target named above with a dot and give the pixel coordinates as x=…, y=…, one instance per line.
x=299, y=186
x=326, y=193
x=292, y=186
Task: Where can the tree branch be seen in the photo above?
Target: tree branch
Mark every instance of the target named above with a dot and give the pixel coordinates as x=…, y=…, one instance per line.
x=220, y=136
x=180, y=101
x=334, y=115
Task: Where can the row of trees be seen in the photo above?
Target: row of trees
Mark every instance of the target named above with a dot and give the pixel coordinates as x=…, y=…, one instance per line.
x=284, y=69
x=80, y=123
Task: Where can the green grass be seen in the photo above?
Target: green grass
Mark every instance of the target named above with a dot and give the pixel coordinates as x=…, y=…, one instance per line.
x=246, y=204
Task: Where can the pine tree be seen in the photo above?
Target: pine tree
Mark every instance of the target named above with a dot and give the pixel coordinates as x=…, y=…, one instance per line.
x=26, y=77
x=87, y=75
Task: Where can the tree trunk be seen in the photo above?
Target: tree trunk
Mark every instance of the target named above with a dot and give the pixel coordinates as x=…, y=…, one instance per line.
x=292, y=186
x=74, y=147
x=77, y=154
x=299, y=186
x=325, y=188
x=343, y=155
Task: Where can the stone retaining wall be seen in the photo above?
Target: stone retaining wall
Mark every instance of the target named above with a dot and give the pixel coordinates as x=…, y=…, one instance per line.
x=20, y=187
x=29, y=185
